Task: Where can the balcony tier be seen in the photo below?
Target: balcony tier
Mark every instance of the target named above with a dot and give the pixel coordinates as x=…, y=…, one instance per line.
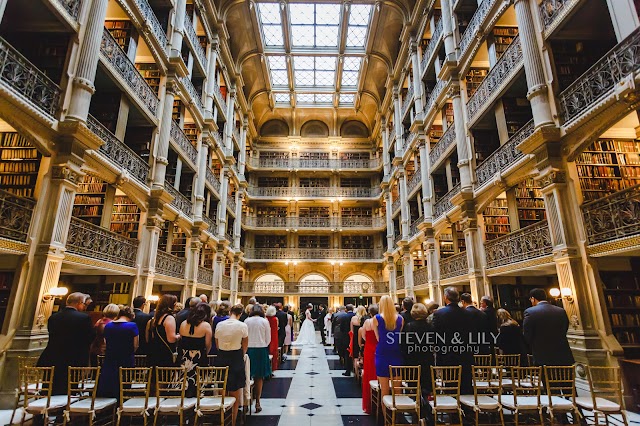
x=337, y=223
x=15, y=216
x=314, y=164
x=312, y=254
x=303, y=192
x=94, y=242
x=334, y=288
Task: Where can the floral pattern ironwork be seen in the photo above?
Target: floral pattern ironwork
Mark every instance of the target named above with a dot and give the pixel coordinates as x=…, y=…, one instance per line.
x=213, y=180
x=196, y=97
x=205, y=275
x=170, y=265
x=192, y=39
x=413, y=228
x=71, y=6
x=93, y=241
x=447, y=139
x=400, y=282
x=524, y=244
x=444, y=204
x=225, y=284
x=454, y=266
x=151, y=20
x=408, y=98
x=314, y=163
x=314, y=192
x=180, y=202
x=316, y=253
x=474, y=25
x=551, y=9
x=612, y=217
x=421, y=276
x=15, y=216
x=181, y=140
x=414, y=181
x=431, y=46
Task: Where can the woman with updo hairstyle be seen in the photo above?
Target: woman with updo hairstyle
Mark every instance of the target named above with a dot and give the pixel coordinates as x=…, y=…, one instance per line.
x=162, y=334
x=195, y=344
x=98, y=346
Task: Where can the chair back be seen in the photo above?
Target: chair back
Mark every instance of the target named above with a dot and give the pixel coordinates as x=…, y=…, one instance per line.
x=560, y=381
x=486, y=380
x=135, y=383
x=446, y=382
x=37, y=384
x=510, y=360
x=83, y=384
x=483, y=360
x=405, y=381
x=140, y=360
x=526, y=381
x=23, y=363
x=171, y=382
x=605, y=382
x=211, y=359
x=530, y=360
x=212, y=382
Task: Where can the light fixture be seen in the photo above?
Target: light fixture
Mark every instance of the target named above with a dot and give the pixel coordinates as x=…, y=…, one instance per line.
x=554, y=292
x=295, y=262
x=562, y=293
x=333, y=262
x=153, y=298
x=55, y=293
x=341, y=263
x=286, y=262
x=427, y=301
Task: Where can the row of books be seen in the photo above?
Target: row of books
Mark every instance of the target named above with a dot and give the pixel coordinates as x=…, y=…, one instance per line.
x=15, y=180
x=615, y=145
x=623, y=301
x=89, y=199
x=526, y=192
x=18, y=153
x=19, y=167
x=625, y=320
x=598, y=171
x=14, y=140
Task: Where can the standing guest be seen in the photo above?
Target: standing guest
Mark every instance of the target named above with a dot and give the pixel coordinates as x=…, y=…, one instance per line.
x=327, y=327
x=214, y=308
x=181, y=316
x=162, y=334
x=178, y=307
x=407, y=304
x=510, y=340
x=322, y=313
x=70, y=333
x=141, y=319
x=342, y=338
x=232, y=340
x=282, y=324
x=387, y=325
x=335, y=327
x=248, y=309
x=454, y=324
x=258, y=350
x=288, y=329
x=273, y=346
x=204, y=298
x=480, y=321
x=356, y=321
x=418, y=331
x=486, y=304
x=221, y=315
x=98, y=346
x=368, y=334
x=122, y=337
x=545, y=330
x=195, y=344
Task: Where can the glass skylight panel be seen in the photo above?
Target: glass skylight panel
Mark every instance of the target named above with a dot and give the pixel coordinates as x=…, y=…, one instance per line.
x=271, y=24
x=305, y=98
x=282, y=98
x=347, y=98
x=314, y=98
x=314, y=71
x=351, y=63
x=269, y=13
x=314, y=25
x=359, y=16
x=277, y=62
x=349, y=78
x=324, y=98
x=278, y=67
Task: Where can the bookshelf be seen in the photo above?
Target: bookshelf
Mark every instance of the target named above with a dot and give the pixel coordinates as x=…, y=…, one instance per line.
x=474, y=78
x=496, y=219
x=530, y=203
x=208, y=257
x=90, y=199
x=460, y=241
x=440, y=187
x=314, y=241
x=622, y=295
x=178, y=242
x=502, y=38
x=514, y=298
x=517, y=113
x=448, y=113
x=176, y=112
x=164, y=236
x=104, y=108
x=191, y=132
x=355, y=212
x=274, y=155
x=52, y=55
x=271, y=211
x=314, y=182
x=485, y=142
x=19, y=164
x=357, y=242
x=6, y=282
x=608, y=166
x=314, y=212
x=355, y=156
x=125, y=216
x=446, y=245
x=313, y=155
x=355, y=182
x=435, y=133
x=273, y=182
x=104, y=293
x=270, y=241
x=151, y=74
x=121, y=31
x=572, y=58
x=139, y=140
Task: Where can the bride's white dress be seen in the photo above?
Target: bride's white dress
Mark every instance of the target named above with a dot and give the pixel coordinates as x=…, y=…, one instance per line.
x=307, y=335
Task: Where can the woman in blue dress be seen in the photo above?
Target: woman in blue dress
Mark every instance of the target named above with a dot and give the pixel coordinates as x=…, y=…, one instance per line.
x=387, y=326
x=121, y=336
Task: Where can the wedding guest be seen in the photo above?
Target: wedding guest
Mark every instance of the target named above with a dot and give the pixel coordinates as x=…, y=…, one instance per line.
x=327, y=326
x=258, y=350
x=387, y=325
x=98, y=346
x=510, y=338
x=281, y=315
x=486, y=305
x=141, y=319
x=407, y=304
x=162, y=334
x=204, y=298
x=368, y=335
x=247, y=311
x=221, y=315
x=418, y=331
x=356, y=321
x=287, y=329
x=178, y=307
x=195, y=343
x=273, y=346
x=182, y=315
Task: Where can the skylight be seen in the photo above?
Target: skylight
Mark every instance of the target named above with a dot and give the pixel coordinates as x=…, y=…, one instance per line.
x=321, y=54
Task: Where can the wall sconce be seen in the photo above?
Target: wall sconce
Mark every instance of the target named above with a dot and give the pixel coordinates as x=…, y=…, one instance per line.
x=562, y=293
x=427, y=301
x=55, y=293
x=153, y=298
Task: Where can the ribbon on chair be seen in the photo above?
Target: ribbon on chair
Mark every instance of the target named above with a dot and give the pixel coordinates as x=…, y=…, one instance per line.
x=67, y=415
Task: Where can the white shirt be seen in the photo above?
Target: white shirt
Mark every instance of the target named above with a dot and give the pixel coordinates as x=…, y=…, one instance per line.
x=259, y=331
x=230, y=334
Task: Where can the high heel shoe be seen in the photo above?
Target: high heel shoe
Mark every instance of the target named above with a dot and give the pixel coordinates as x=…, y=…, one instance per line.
x=258, y=408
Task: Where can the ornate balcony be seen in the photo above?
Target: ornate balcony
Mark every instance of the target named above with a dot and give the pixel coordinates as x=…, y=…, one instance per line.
x=72, y=7
x=431, y=47
x=236, y=135
x=222, y=100
x=475, y=23
x=194, y=43
x=400, y=282
x=180, y=202
x=454, y=266
x=414, y=182
x=613, y=217
x=151, y=22
x=434, y=95
x=120, y=63
x=528, y=243
x=213, y=180
x=229, y=237
x=421, y=276
x=316, y=163
x=314, y=222
x=444, y=204
x=408, y=98
x=600, y=80
x=183, y=143
x=314, y=192
x=308, y=254
x=205, y=275
x=499, y=77
x=27, y=81
x=397, y=237
x=413, y=228
x=170, y=265
x=442, y=146
x=119, y=153
x=231, y=203
x=408, y=141
x=196, y=98
x=211, y=221
x=15, y=216
x=395, y=206
x=225, y=284
x=280, y=287
x=504, y=157
x=551, y=10
x=92, y=241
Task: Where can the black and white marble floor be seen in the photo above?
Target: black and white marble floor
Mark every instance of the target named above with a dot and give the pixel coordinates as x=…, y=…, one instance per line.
x=308, y=390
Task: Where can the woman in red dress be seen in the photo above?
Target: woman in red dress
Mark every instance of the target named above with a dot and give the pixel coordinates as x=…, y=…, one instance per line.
x=273, y=346
x=367, y=334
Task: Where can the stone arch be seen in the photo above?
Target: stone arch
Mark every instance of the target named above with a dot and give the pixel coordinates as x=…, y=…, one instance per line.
x=268, y=277
x=314, y=277
x=359, y=277
x=314, y=129
x=354, y=129
x=274, y=127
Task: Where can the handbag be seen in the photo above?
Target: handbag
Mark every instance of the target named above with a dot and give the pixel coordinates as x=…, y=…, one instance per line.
x=173, y=354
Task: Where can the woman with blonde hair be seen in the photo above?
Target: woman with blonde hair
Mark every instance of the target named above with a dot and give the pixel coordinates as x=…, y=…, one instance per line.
x=510, y=340
x=387, y=326
x=99, y=345
x=356, y=321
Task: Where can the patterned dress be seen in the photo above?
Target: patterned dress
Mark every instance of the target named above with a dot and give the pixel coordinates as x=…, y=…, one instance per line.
x=193, y=354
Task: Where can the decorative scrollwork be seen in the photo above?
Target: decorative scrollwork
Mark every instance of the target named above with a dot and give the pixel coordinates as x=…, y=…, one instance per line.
x=447, y=139
x=211, y=221
x=524, y=244
x=612, y=217
x=205, y=275
x=421, y=276
x=95, y=242
x=444, y=204
x=551, y=9
x=474, y=25
x=225, y=283
x=221, y=98
x=400, y=282
x=196, y=97
x=15, y=216
x=408, y=98
x=170, y=265
x=413, y=228
x=415, y=180
x=315, y=253
x=454, y=266
x=431, y=47
x=213, y=180
x=194, y=43
x=180, y=202
x=152, y=22
x=231, y=204
x=314, y=192
x=71, y=6
x=183, y=143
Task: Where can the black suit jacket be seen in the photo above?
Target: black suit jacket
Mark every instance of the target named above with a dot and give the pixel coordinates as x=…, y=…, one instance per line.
x=141, y=320
x=182, y=317
x=492, y=317
x=70, y=334
x=545, y=330
x=282, y=323
x=481, y=325
x=320, y=322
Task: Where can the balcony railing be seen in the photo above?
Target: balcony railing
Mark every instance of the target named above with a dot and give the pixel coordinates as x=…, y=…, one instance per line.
x=421, y=276
x=524, y=244
x=180, y=202
x=205, y=275
x=280, y=287
x=15, y=216
x=397, y=237
x=152, y=23
x=314, y=192
x=221, y=98
x=315, y=163
x=229, y=237
x=395, y=205
x=196, y=97
x=434, y=95
x=312, y=253
x=444, y=204
x=504, y=157
x=413, y=228
x=231, y=203
x=435, y=39
x=170, y=265
x=225, y=284
x=408, y=98
x=196, y=48
x=27, y=81
x=213, y=180
x=474, y=25
x=408, y=141
x=447, y=139
x=550, y=10
x=93, y=241
x=600, y=80
x=499, y=77
x=211, y=221
x=400, y=282
x=314, y=222
x=236, y=134
x=612, y=217
x=118, y=59
x=454, y=266
x=118, y=152
x=415, y=180
x=180, y=139
x=71, y=6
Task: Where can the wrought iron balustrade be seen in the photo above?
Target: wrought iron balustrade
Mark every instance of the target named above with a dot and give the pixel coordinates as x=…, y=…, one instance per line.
x=225, y=283
x=524, y=244
x=312, y=253
x=27, y=81
x=431, y=46
x=448, y=138
x=413, y=228
x=213, y=179
x=614, y=216
x=550, y=10
x=315, y=163
x=444, y=204
x=205, y=275
x=421, y=276
x=408, y=98
x=434, y=95
x=71, y=6
x=400, y=282
x=95, y=242
x=505, y=156
x=196, y=97
x=231, y=203
x=15, y=216
x=193, y=40
x=221, y=98
x=180, y=201
x=313, y=222
x=211, y=221
x=314, y=192
x=397, y=236
x=474, y=25
x=600, y=80
x=408, y=141
x=281, y=287
x=180, y=139
x=395, y=205
x=236, y=134
x=151, y=21
x=170, y=265
x=229, y=237
x=454, y=266
x=414, y=181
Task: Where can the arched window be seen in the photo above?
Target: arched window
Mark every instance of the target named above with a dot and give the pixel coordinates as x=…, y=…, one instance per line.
x=358, y=283
x=354, y=129
x=314, y=129
x=274, y=127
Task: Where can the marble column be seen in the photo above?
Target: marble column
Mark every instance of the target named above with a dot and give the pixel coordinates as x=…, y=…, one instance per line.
x=231, y=119
x=201, y=177
x=425, y=177
x=391, y=269
x=164, y=134
x=179, y=14
x=386, y=161
x=237, y=225
x=405, y=217
x=222, y=205
x=242, y=156
x=234, y=279
x=210, y=88
x=407, y=270
x=397, y=120
x=463, y=144
x=417, y=81
x=475, y=258
x=390, y=226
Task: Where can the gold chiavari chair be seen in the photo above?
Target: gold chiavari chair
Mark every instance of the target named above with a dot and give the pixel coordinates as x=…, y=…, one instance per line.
x=82, y=400
x=171, y=384
x=374, y=385
x=605, y=385
x=482, y=360
x=446, y=391
x=135, y=385
x=506, y=362
x=23, y=363
x=487, y=389
x=525, y=397
x=38, y=400
x=212, y=399
x=560, y=385
x=530, y=362
x=140, y=361
x=405, y=393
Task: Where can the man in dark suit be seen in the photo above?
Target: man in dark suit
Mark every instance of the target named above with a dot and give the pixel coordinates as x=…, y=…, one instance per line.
x=335, y=328
x=70, y=334
x=282, y=323
x=486, y=305
x=480, y=323
x=454, y=324
x=545, y=330
x=343, y=325
x=320, y=323
x=405, y=313
x=141, y=319
x=189, y=304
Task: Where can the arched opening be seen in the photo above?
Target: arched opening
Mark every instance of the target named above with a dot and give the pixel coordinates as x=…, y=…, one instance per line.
x=274, y=127
x=268, y=284
x=268, y=278
x=314, y=278
x=358, y=284
x=314, y=129
x=354, y=129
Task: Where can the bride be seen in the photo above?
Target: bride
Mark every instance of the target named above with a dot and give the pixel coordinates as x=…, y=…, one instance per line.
x=307, y=335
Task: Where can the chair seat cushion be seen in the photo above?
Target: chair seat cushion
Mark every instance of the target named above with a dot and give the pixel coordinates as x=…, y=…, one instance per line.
x=172, y=405
x=39, y=405
x=136, y=405
x=374, y=384
x=84, y=406
x=520, y=402
x=602, y=404
x=485, y=402
x=214, y=403
x=402, y=402
x=557, y=402
x=444, y=403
